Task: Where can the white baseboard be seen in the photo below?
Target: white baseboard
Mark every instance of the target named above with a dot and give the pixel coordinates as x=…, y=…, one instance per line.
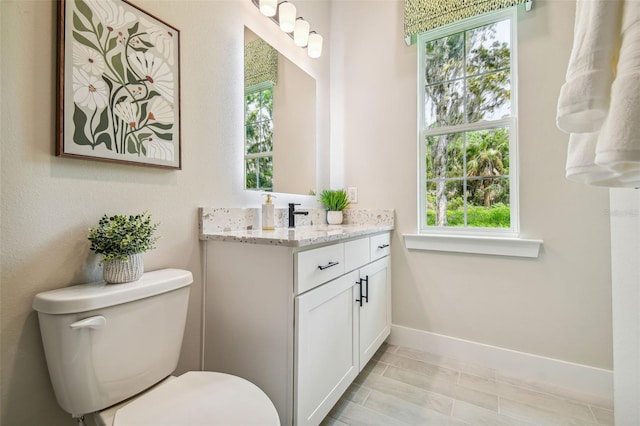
x=538, y=372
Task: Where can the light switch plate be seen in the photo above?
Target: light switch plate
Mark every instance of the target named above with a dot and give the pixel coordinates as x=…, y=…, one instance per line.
x=352, y=193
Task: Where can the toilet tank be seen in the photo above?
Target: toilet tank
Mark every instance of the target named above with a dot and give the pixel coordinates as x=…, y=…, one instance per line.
x=106, y=342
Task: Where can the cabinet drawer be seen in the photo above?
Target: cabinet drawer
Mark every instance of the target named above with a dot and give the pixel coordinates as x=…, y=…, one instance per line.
x=356, y=254
x=380, y=246
x=317, y=266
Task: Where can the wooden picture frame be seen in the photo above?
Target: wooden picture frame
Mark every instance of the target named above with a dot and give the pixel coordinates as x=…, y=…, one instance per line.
x=118, y=93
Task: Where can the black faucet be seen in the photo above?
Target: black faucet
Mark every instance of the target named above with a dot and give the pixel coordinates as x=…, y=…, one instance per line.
x=292, y=213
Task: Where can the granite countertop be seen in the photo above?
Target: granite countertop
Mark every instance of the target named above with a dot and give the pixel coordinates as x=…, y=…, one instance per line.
x=301, y=236
x=243, y=225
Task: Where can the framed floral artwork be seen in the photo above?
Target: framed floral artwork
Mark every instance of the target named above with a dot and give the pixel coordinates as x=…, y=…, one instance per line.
x=118, y=84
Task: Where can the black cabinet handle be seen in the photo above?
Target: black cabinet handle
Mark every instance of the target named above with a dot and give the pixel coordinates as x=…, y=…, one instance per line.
x=366, y=283
x=328, y=265
x=383, y=246
x=363, y=297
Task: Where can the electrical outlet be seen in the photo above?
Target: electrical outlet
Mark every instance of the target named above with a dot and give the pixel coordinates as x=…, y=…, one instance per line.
x=352, y=193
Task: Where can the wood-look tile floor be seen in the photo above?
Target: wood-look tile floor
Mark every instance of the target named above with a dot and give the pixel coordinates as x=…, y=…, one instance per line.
x=403, y=386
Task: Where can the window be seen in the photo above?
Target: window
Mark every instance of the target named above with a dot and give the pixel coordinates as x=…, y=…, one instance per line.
x=467, y=118
x=258, y=146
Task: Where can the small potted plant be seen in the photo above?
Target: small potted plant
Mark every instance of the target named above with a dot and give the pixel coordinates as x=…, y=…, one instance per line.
x=122, y=240
x=335, y=201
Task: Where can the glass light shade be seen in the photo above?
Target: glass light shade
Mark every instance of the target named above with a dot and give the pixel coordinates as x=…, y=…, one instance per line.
x=301, y=33
x=287, y=16
x=314, y=48
x=268, y=7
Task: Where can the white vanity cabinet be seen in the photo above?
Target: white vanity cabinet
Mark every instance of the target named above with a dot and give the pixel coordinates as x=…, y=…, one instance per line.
x=299, y=322
x=340, y=323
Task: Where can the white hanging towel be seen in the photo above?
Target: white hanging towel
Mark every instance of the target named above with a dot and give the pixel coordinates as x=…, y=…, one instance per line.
x=584, y=98
x=581, y=161
x=603, y=117
x=618, y=147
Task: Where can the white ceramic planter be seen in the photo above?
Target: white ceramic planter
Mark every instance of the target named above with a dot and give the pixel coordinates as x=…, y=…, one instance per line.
x=118, y=271
x=334, y=217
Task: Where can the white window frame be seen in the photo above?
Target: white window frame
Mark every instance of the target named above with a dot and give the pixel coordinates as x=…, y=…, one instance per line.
x=510, y=123
x=493, y=241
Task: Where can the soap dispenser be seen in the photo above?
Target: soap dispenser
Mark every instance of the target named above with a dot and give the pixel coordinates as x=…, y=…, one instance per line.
x=268, y=214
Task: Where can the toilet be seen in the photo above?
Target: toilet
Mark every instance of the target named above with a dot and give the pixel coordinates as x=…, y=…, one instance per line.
x=111, y=350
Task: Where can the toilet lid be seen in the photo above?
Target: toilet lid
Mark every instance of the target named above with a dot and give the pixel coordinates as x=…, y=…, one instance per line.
x=200, y=398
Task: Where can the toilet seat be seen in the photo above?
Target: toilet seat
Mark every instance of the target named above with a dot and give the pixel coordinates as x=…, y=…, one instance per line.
x=200, y=398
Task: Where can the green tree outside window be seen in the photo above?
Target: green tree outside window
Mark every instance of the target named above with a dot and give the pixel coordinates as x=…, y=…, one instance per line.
x=467, y=125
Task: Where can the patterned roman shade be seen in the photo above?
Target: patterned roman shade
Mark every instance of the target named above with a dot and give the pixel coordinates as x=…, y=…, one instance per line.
x=425, y=15
x=260, y=63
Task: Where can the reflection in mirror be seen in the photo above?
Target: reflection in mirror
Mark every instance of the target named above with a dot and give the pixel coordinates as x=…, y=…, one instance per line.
x=280, y=121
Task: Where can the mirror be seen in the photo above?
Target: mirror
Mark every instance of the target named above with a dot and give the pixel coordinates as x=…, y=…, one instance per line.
x=280, y=121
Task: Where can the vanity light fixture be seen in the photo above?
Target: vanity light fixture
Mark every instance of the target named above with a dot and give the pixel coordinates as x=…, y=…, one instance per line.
x=314, y=47
x=283, y=14
x=268, y=7
x=301, y=32
x=287, y=16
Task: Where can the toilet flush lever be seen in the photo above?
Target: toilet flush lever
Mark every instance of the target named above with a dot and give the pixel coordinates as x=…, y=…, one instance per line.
x=95, y=323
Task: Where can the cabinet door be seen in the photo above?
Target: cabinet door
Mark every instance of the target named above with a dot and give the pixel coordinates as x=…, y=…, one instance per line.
x=375, y=312
x=326, y=348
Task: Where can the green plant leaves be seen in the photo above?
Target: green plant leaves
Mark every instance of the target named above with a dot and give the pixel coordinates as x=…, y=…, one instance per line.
x=104, y=121
x=133, y=29
x=119, y=236
x=104, y=138
x=116, y=62
x=132, y=146
x=79, y=123
x=335, y=200
x=165, y=136
x=112, y=44
x=78, y=24
x=83, y=40
x=161, y=126
x=131, y=77
x=143, y=109
x=143, y=136
x=84, y=9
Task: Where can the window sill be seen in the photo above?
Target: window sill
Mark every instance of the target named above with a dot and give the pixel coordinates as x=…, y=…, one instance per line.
x=498, y=246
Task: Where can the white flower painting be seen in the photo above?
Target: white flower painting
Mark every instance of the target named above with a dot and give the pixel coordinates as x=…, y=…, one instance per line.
x=88, y=91
x=120, y=84
x=90, y=60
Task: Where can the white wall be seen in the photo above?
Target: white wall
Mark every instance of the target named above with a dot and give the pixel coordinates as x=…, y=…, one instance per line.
x=625, y=273
x=557, y=306
x=49, y=202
